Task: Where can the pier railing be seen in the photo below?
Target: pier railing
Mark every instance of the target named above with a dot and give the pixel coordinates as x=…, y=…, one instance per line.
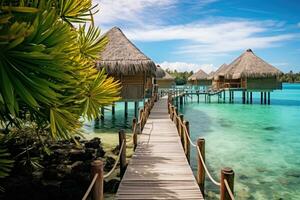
x=226, y=183
x=95, y=189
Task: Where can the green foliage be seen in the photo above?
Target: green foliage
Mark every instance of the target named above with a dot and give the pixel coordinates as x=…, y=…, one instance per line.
x=290, y=77
x=47, y=66
x=180, y=77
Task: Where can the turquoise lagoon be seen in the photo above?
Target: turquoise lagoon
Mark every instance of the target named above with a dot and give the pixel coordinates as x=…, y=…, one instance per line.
x=260, y=142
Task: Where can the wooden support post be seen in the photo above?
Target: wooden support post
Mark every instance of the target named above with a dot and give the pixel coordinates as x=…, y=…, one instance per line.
x=135, y=132
x=172, y=113
x=187, y=142
x=175, y=116
x=224, y=96
x=113, y=109
x=97, y=168
x=122, y=137
x=247, y=97
x=198, y=99
x=228, y=174
x=181, y=133
x=201, y=170
x=265, y=98
x=102, y=113
x=232, y=97
x=181, y=100
x=251, y=98
x=126, y=109
x=244, y=97
x=261, y=98
x=269, y=98
x=136, y=106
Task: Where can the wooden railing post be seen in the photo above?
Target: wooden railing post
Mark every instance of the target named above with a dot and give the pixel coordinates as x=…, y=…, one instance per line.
x=172, y=113
x=97, y=168
x=134, y=136
x=201, y=170
x=122, y=137
x=228, y=174
x=175, y=115
x=180, y=126
x=187, y=142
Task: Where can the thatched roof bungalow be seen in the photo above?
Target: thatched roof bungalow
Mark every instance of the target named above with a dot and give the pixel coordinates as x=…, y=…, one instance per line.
x=200, y=78
x=124, y=61
x=164, y=79
x=248, y=72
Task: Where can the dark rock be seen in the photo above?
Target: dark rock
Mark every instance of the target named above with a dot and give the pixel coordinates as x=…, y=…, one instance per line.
x=80, y=155
x=116, y=150
x=93, y=143
x=77, y=167
x=50, y=174
x=100, y=152
x=109, y=163
x=111, y=186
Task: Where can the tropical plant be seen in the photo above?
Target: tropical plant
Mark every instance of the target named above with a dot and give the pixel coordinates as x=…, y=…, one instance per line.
x=47, y=65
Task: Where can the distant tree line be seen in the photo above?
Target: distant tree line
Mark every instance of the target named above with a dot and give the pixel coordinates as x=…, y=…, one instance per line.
x=290, y=77
x=180, y=77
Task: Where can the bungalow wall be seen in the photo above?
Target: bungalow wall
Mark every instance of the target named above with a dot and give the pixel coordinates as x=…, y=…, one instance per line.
x=200, y=82
x=165, y=83
x=269, y=83
x=134, y=86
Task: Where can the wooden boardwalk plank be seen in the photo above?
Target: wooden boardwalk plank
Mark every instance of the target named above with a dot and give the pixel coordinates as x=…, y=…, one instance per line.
x=158, y=168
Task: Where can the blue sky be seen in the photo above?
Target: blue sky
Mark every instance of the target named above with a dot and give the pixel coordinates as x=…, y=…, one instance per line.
x=193, y=34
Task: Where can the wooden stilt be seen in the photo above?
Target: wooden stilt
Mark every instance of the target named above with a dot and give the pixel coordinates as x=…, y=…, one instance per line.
x=126, y=109
x=269, y=98
x=113, y=110
x=228, y=175
x=265, y=97
x=247, y=97
x=224, y=96
x=251, y=100
x=244, y=97
x=136, y=106
x=232, y=97
x=102, y=113
x=261, y=98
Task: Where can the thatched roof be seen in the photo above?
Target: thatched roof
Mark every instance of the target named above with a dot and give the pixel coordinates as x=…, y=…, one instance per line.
x=220, y=71
x=162, y=74
x=211, y=75
x=250, y=65
x=159, y=72
x=120, y=56
x=199, y=75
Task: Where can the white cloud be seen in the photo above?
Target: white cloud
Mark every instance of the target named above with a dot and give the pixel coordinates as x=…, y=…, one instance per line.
x=211, y=37
x=183, y=66
x=129, y=11
x=281, y=64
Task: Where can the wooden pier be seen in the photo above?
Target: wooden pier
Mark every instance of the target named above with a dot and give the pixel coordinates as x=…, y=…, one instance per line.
x=159, y=168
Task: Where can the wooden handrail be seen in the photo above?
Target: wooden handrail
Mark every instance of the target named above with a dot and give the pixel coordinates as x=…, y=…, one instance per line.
x=227, y=175
x=97, y=172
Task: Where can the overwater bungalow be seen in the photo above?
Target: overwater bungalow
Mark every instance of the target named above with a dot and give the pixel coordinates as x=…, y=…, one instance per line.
x=199, y=79
x=163, y=79
x=126, y=63
x=248, y=73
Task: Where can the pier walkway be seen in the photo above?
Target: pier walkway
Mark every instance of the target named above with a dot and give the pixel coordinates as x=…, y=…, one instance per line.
x=158, y=168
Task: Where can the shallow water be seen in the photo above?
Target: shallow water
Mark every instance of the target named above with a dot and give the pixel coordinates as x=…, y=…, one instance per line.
x=260, y=142
x=112, y=124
